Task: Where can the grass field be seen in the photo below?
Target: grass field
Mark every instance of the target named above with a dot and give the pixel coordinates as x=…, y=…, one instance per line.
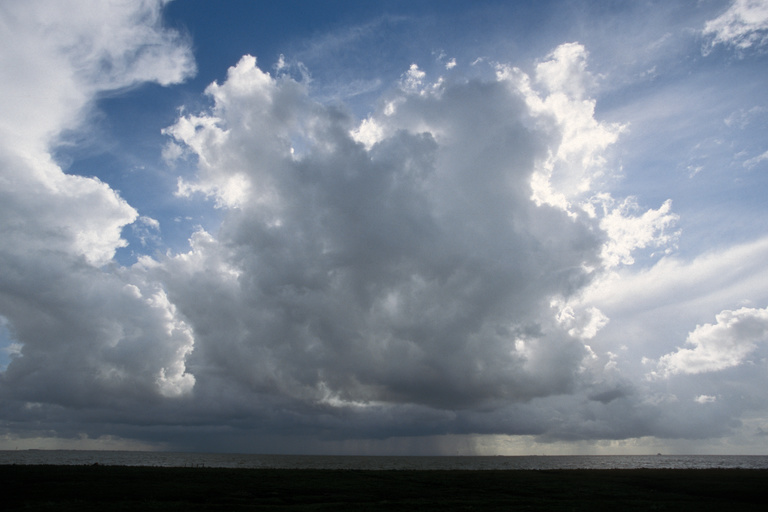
x=82, y=488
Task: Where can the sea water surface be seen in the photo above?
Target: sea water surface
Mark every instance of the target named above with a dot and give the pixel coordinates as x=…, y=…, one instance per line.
x=231, y=460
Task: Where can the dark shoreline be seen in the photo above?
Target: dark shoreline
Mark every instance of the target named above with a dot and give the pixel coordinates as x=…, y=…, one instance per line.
x=62, y=488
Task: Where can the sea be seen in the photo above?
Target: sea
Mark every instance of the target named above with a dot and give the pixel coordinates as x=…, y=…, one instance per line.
x=230, y=460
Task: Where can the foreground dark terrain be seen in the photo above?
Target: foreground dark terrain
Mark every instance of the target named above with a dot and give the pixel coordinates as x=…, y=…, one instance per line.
x=63, y=488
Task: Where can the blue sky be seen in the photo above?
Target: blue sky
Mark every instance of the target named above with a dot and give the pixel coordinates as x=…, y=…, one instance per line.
x=384, y=227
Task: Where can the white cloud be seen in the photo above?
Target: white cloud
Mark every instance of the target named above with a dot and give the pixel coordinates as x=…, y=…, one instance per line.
x=569, y=172
x=743, y=118
x=56, y=57
x=412, y=79
x=718, y=346
x=566, y=71
x=672, y=284
x=570, y=176
x=45, y=210
x=742, y=26
x=753, y=162
x=627, y=232
x=85, y=333
x=368, y=133
x=654, y=309
x=172, y=379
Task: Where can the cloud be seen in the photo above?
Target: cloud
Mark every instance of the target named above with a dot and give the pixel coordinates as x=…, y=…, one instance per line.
x=412, y=79
x=753, y=162
x=45, y=210
x=628, y=232
x=568, y=175
x=416, y=271
x=80, y=442
x=58, y=55
x=743, y=118
x=744, y=25
x=652, y=309
x=56, y=58
x=454, y=263
x=396, y=273
x=673, y=285
x=84, y=333
x=718, y=346
x=96, y=337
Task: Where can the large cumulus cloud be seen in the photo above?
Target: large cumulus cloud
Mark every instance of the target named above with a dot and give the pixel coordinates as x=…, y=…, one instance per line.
x=418, y=270
x=404, y=271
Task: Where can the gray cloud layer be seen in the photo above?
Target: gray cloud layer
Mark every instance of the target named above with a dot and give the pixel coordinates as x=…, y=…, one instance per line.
x=437, y=268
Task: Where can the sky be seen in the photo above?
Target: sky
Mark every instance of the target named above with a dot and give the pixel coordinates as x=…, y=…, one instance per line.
x=394, y=227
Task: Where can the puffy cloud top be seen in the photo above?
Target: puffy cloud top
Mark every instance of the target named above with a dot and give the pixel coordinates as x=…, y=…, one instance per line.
x=721, y=345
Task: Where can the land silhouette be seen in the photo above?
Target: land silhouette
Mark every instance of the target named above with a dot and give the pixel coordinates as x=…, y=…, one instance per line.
x=99, y=487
